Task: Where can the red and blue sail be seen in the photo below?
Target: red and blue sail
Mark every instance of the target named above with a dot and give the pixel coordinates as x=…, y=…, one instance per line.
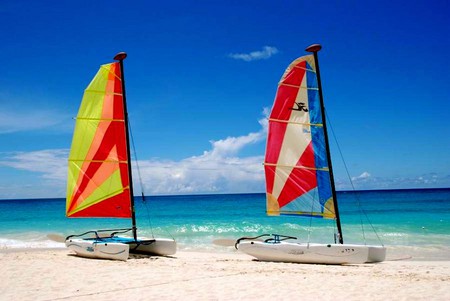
x=296, y=165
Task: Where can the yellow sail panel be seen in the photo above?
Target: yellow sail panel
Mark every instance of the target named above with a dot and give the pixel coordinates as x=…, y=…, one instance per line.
x=101, y=192
x=98, y=180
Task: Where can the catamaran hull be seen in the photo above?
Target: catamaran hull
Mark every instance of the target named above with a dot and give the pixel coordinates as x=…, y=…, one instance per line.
x=154, y=246
x=100, y=250
x=376, y=254
x=312, y=253
x=119, y=247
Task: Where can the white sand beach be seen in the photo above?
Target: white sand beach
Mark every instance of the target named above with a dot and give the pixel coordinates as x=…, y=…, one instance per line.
x=56, y=274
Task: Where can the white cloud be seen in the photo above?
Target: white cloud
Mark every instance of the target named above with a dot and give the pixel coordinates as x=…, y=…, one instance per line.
x=367, y=181
x=364, y=176
x=218, y=170
x=50, y=163
x=265, y=53
x=203, y=174
x=45, y=174
x=232, y=145
x=20, y=120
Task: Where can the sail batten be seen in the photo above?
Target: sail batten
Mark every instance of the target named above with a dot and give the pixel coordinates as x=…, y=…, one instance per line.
x=288, y=121
x=296, y=165
x=303, y=68
x=98, y=179
x=99, y=119
x=300, y=87
x=97, y=161
x=101, y=92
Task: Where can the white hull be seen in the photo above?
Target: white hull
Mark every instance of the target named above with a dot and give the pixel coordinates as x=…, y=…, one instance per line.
x=312, y=253
x=159, y=246
x=101, y=250
x=376, y=254
x=119, y=248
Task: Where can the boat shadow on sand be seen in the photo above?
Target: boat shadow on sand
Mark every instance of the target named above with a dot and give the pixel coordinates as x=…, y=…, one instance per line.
x=130, y=256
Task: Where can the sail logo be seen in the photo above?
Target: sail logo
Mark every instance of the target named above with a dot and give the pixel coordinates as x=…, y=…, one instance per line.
x=301, y=106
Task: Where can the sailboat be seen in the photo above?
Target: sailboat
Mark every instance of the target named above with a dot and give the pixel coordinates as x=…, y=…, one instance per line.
x=99, y=180
x=299, y=173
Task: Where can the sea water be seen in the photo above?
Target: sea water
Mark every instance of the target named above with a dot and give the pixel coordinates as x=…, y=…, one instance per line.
x=414, y=219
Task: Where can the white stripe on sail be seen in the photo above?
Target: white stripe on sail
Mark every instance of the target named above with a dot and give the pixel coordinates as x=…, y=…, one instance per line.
x=297, y=137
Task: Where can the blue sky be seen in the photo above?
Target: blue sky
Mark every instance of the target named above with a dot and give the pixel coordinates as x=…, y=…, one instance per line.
x=201, y=76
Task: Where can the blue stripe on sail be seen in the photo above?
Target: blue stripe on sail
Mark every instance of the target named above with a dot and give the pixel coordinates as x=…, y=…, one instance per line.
x=323, y=182
x=318, y=141
x=321, y=162
x=313, y=97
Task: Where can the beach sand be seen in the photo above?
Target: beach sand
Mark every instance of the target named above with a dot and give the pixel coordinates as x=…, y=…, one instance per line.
x=56, y=274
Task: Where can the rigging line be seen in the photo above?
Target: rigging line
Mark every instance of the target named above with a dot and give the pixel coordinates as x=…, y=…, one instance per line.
x=353, y=187
x=348, y=175
x=140, y=179
x=311, y=217
x=135, y=156
x=142, y=186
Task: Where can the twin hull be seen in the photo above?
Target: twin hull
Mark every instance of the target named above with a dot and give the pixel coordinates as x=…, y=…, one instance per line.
x=313, y=253
x=116, y=250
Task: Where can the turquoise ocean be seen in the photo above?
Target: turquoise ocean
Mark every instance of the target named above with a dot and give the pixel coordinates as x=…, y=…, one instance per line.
x=415, y=221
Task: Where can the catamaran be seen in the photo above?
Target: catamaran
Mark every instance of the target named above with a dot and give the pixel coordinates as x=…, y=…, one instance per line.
x=299, y=173
x=99, y=173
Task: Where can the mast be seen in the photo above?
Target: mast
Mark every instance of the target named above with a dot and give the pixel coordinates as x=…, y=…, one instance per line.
x=314, y=49
x=120, y=57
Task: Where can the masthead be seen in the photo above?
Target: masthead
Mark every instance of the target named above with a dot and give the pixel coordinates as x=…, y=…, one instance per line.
x=120, y=56
x=314, y=48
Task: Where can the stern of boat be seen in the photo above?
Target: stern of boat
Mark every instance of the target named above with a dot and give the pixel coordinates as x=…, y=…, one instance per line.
x=376, y=254
x=154, y=246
